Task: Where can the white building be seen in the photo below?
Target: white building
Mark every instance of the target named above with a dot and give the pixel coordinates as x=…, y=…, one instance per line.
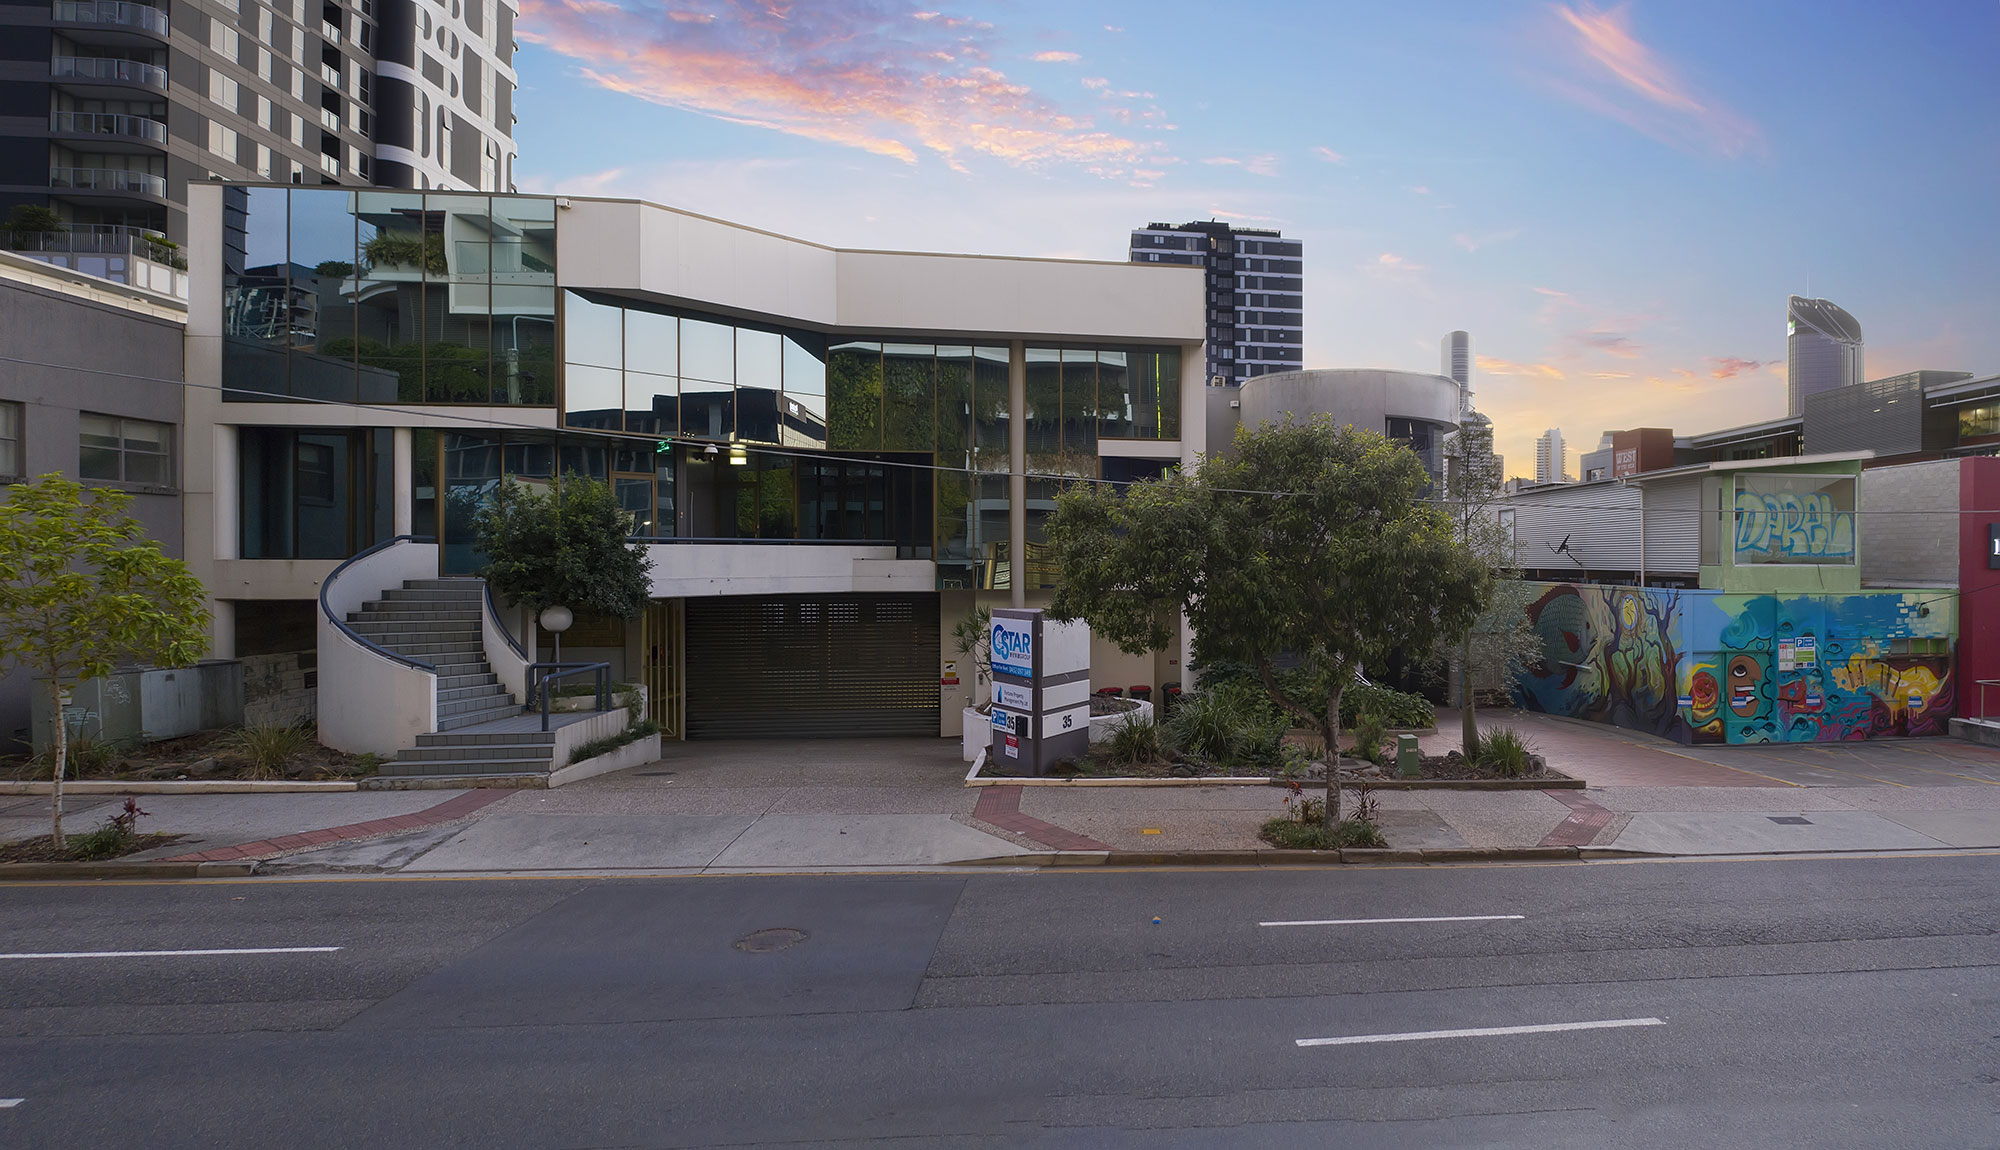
x=1551, y=460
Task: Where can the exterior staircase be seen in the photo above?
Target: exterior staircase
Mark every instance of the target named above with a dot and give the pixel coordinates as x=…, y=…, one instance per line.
x=437, y=621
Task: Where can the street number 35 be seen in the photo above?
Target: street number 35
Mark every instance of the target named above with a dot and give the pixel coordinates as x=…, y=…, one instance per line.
x=1067, y=720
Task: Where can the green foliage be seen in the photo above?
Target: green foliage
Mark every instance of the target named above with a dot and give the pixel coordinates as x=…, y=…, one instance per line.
x=1397, y=709
x=407, y=249
x=569, y=547
x=88, y=755
x=1369, y=735
x=1505, y=753
x=333, y=269
x=972, y=637
x=1291, y=834
x=609, y=743
x=118, y=836
x=1134, y=742
x=83, y=591
x=1499, y=641
x=269, y=747
x=1304, y=539
x=1233, y=724
x=28, y=219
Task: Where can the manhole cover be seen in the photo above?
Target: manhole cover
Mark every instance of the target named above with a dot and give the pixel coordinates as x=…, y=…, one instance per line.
x=769, y=939
x=1790, y=820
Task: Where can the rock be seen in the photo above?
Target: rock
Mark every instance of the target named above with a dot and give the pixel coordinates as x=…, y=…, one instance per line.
x=1183, y=772
x=200, y=768
x=1537, y=764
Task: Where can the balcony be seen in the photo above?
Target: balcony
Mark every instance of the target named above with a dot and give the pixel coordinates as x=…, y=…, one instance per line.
x=113, y=14
x=329, y=119
x=329, y=31
x=107, y=70
x=109, y=180
x=123, y=255
x=330, y=76
x=109, y=124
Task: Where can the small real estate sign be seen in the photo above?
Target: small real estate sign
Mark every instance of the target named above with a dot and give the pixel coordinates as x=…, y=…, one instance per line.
x=1041, y=688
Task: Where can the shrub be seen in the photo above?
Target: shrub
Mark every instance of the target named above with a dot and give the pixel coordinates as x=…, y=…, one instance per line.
x=87, y=756
x=270, y=748
x=1396, y=708
x=1369, y=735
x=114, y=838
x=1134, y=742
x=1505, y=753
x=1290, y=834
x=609, y=743
x=1231, y=723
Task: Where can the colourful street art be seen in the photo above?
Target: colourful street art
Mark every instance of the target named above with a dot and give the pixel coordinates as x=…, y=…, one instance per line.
x=1708, y=667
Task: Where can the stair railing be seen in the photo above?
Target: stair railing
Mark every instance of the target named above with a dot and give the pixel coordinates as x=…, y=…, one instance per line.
x=372, y=699
x=541, y=685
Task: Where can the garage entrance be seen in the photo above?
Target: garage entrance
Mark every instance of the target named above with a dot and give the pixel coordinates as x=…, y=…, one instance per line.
x=812, y=666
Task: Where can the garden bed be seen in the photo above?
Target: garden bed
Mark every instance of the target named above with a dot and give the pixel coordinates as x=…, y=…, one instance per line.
x=40, y=849
x=210, y=755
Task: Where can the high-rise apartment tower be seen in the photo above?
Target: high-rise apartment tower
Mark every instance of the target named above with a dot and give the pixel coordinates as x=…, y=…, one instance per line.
x=1455, y=362
x=1256, y=317
x=1551, y=460
x=112, y=108
x=1823, y=351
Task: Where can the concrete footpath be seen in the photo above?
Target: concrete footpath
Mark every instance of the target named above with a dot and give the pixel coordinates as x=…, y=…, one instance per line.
x=857, y=804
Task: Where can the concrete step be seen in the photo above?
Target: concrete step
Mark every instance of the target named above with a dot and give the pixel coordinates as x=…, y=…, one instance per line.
x=456, y=720
x=440, y=754
x=430, y=646
x=375, y=624
x=407, y=596
x=449, y=583
x=481, y=703
x=462, y=694
x=465, y=768
x=462, y=739
x=414, y=612
x=399, y=638
x=450, y=682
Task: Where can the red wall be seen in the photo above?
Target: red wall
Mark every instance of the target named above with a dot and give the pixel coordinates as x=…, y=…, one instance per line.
x=1978, y=586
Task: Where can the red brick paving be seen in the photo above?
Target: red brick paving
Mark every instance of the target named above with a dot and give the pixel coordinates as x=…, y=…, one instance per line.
x=1585, y=819
x=1001, y=806
x=456, y=807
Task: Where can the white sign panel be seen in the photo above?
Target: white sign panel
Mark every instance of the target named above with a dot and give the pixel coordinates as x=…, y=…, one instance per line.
x=1061, y=722
x=1065, y=647
x=1014, y=647
x=1012, y=695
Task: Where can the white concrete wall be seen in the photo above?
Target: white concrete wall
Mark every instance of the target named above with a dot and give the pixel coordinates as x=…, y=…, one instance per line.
x=368, y=702
x=509, y=666
x=692, y=570
x=1358, y=397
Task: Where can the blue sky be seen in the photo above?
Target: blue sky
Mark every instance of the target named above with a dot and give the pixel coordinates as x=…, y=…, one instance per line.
x=1614, y=201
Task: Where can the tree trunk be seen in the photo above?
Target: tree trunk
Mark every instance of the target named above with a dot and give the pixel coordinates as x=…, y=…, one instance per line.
x=1330, y=727
x=62, y=760
x=1468, y=720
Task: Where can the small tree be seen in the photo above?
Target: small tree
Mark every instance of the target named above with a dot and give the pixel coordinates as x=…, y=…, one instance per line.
x=972, y=637
x=29, y=219
x=82, y=592
x=1304, y=540
x=1500, y=639
x=570, y=547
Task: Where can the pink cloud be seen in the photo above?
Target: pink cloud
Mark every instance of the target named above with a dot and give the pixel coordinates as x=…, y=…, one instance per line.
x=1055, y=57
x=1329, y=155
x=1391, y=262
x=1493, y=366
x=1617, y=76
x=865, y=75
x=1729, y=366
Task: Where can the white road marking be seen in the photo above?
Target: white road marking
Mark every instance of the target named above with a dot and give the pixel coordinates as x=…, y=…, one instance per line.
x=1482, y=1032
x=174, y=953
x=1370, y=921
x=10, y=1103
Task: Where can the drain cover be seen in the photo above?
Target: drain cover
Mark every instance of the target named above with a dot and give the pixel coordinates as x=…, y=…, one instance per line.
x=652, y=774
x=1790, y=820
x=770, y=938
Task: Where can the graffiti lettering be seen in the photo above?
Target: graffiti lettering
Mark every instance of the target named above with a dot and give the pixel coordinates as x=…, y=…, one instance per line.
x=1787, y=526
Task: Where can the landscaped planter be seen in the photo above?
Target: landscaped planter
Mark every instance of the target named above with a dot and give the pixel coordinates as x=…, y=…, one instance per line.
x=1101, y=726
x=976, y=734
x=573, y=703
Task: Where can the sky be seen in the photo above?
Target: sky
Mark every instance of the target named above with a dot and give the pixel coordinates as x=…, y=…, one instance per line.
x=1615, y=201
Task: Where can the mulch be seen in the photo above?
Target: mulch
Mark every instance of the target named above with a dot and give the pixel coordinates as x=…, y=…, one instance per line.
x=41, y=849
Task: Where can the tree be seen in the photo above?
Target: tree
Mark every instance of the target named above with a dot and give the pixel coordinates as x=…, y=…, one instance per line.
x=82, y=592
x=1304, y=540
x=1501, y=638
x=31, y=219
x=569, y=547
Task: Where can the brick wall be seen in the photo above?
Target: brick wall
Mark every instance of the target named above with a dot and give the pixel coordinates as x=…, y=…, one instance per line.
x=280, y=689
x=1909, y=524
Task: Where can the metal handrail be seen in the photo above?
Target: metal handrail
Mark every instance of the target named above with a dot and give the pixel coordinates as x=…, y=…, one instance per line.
x=109, y=68
x=374, y=647
x=734, y=539
x=109, y=124
x=112, y=12
x=601, y=672
x=108, y=180
x=494, y=611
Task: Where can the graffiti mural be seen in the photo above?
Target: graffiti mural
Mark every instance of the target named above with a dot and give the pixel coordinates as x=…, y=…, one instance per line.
x=1794, y=519
x=1705, y=667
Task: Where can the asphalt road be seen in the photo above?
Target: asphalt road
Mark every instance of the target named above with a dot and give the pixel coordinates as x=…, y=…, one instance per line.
x=1774, y=1003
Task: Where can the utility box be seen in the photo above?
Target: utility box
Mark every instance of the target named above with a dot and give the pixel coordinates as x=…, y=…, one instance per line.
x=146, y=703
x=1041, y=690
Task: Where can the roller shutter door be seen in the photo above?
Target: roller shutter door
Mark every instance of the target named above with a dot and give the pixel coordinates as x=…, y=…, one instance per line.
x=812, y=666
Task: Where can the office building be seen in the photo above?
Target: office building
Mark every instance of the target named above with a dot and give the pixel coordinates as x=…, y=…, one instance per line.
x=832, y=456
x=1255, y=301
x=1823, y=350
x=1455, y=363
x=1417, y=409
x=1551, y=461
x=114, y=108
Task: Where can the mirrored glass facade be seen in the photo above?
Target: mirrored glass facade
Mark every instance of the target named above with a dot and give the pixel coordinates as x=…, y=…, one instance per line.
x=352, y=295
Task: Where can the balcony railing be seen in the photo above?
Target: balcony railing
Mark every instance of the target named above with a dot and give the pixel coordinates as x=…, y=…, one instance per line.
x=106, y=240
x=108, y=180
x=106, y=68
x=109, y=124
x=112, y=12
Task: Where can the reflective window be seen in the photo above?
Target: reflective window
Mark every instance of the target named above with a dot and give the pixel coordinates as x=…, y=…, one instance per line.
x=854, y=395
x=759, y=379
x=708, y=351
x=593, y=333
x=909, y=387
x=652, y=342
x=594, y=397
x=125, y=450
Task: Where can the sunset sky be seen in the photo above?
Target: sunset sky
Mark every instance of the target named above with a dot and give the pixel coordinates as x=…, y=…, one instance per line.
x=1615, y=202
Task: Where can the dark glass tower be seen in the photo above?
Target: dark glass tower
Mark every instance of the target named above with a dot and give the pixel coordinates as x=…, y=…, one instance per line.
x=1824, y=350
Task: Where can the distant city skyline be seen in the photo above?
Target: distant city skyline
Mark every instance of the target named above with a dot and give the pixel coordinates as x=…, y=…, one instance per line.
x=1551, y=457
x=1615, y=201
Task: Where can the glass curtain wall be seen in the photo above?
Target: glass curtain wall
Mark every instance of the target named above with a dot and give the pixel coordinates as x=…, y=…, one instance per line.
x=346, y=295
x=313, y=493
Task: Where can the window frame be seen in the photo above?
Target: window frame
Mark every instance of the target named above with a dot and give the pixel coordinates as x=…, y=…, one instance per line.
x=18, y=438
x=168, y=435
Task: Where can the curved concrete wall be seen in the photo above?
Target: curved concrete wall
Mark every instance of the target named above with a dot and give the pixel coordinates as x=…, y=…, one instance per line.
x=368, y=702
x=1362, y=397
